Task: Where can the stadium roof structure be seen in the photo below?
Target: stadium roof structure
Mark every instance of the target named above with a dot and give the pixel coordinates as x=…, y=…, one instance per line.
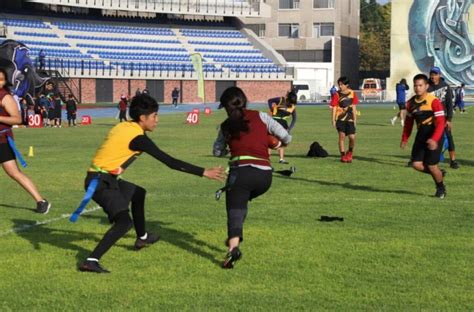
x=238, y=8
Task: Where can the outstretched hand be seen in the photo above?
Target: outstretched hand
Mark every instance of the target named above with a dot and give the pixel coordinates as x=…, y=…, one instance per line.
x=216, y=173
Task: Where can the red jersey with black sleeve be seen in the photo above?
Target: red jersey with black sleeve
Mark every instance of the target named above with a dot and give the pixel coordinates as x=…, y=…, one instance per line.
x=4, y=128
x=343, y=102
x=428, y=113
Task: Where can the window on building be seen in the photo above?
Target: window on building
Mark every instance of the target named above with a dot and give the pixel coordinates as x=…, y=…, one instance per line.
x=289, y=4
x=288, y=30
x=258, y=29
x=323, y=4
x=323, y=30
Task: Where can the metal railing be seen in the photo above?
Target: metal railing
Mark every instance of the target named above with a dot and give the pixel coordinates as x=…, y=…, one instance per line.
x=200, y=7
x=91, y=68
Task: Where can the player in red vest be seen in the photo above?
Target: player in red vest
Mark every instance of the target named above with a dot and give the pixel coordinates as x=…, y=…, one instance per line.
x=246, y=133
x=9, y=116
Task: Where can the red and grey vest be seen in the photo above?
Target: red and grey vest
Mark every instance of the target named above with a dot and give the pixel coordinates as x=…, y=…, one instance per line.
x=253, y=143
x=4, y=128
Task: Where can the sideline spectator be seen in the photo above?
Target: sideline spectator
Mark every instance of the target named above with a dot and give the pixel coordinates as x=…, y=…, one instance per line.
x=71, y=109
x=123, y=108
x=175, y=96
x=43, y=105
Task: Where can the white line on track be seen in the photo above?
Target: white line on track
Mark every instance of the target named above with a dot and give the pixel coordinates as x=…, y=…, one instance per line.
x=38, y=223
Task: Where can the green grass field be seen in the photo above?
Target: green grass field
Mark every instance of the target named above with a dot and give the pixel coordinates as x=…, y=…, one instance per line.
x=399, y=248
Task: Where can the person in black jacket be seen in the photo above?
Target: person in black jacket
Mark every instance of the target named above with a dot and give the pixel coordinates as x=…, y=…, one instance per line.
x=175, y=95
x=71, y=109
x=440, y=89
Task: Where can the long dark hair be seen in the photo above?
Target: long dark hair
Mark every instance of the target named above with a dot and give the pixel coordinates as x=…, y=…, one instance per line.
x=7, y=83
x=234, y=101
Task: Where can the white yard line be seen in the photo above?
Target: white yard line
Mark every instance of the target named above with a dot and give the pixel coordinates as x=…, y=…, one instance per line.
x=26, y=227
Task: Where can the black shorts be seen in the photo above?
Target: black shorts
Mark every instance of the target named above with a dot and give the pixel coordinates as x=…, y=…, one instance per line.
x=51, y=114
x=402, y=106
x=346, y=127
x=112, y=194
x=6, y=153
x=421, y=152
x=250, y=183
x=71, y=115
x=283, y=123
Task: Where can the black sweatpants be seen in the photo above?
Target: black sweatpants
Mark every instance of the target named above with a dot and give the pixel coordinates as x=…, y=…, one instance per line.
x=250, y=183
x=450, y=139
x=123, y=115
x=114, y=196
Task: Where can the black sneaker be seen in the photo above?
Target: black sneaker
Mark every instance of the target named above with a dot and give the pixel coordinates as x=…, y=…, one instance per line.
x=92, y=266
x=454, y=164
x=151, y=239
x=231, y=258
x=440, y=192
x=43, y=206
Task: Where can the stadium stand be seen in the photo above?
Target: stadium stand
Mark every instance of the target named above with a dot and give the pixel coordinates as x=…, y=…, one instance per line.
x=87, y=48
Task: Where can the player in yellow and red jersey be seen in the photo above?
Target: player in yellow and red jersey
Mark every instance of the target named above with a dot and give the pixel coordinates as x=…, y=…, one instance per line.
x=428, y=112
x=344, y=117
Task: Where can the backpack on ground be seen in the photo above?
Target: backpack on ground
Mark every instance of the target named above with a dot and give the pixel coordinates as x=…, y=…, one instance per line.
x=316, y=150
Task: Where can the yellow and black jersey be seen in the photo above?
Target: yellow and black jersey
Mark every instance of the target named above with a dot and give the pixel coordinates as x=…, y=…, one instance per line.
x=343, y=103
x=124, y=143
x=428, y=112
x=115, y=154
x=280, y=110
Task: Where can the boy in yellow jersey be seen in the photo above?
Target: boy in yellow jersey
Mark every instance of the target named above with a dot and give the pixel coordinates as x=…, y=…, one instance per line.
x=124, y=143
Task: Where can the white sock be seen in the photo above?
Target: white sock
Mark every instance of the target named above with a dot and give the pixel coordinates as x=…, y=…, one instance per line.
x=144, y=236
x=93, y=259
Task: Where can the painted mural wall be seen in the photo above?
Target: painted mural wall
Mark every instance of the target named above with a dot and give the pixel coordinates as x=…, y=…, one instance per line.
x=428, y=33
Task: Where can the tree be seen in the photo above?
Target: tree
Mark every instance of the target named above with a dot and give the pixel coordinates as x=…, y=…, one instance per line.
x=374, y=36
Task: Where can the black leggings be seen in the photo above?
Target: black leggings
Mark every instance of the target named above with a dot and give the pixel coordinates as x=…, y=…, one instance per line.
x=450, y=139
x=114, y=196
x=250, y=183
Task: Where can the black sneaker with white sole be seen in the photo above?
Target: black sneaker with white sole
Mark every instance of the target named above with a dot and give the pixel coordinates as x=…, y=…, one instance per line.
x=43, y=206
x=440, y=192
x=231, y=258
x=151, y=239
x=92, y=266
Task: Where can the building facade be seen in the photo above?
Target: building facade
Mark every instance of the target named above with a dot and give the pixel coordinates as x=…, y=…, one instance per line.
x=319, y=37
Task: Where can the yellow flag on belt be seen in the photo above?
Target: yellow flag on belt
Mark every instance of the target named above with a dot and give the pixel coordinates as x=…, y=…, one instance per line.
x=196, y=58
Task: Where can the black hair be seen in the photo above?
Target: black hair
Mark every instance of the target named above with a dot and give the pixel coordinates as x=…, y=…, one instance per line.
x=463, y=84
x=344, y=80
x=403, y=81
x=234, y=101
x=7, y=83
x=291, y=97
x=142, y=104
x=421, y=77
